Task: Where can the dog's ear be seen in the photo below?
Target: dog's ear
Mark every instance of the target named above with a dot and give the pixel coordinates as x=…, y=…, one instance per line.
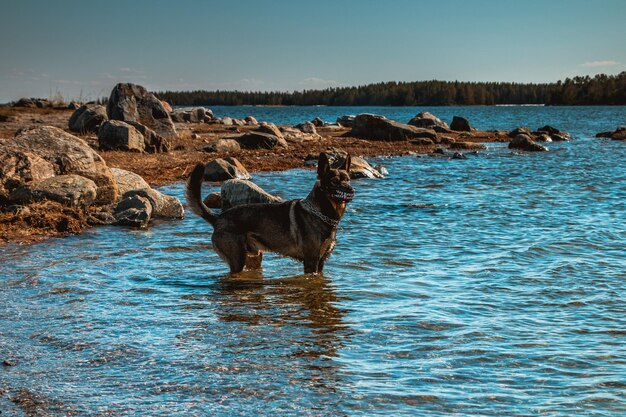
x=323, y=165
x=346, y=164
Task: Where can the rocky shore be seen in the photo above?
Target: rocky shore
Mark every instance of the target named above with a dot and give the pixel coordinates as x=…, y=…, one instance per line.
x=66, y=168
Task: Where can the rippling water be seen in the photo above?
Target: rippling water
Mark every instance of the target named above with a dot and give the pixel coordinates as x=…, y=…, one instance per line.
x=488, y=286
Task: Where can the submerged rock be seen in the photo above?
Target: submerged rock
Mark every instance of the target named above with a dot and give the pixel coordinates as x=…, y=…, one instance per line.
x=617, y=134
x=525, y=143
x=460, y=124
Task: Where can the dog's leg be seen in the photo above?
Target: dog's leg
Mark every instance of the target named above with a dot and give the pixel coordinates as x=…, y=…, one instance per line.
x=311, y=264
x=320, y=264
x=232, y=248
x=254, y=261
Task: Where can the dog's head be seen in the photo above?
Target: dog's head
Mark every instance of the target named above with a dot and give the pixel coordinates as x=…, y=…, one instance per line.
x=335, y=182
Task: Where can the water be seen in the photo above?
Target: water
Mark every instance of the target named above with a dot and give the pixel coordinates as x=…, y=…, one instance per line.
x=488, y=286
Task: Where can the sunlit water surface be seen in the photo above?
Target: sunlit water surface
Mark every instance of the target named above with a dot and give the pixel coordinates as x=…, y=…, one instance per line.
x=488, y=286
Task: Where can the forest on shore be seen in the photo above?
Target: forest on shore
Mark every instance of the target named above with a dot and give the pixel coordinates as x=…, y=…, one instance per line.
x=601, y=89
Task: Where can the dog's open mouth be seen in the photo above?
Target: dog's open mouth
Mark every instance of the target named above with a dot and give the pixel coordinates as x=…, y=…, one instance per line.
x=342, y=195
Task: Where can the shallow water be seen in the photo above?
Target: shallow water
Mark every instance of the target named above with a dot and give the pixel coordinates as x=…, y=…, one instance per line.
x=488, y=286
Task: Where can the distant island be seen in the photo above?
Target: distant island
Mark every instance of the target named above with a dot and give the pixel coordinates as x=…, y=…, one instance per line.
x=600, y=90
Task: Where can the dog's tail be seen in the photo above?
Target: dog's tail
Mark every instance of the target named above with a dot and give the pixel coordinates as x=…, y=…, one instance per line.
x=194, y=195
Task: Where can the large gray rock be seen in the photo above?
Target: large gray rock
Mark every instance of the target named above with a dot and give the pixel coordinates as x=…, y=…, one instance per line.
x=153, y=142
x=133, y=103
x=192, y=115
x=519, y=131
x=307, y=127
x=359, y=167
x=237, y=192
x=270, y=128
x=163, y=205
x=374, y=127
x=427, y=120
x=118, y=135
x=525, y=143
x=258, y=140
x=460, y=124
x=71, y=190
x=88, y=118
x=225, y=169
x=66, y=153
x=223, y=145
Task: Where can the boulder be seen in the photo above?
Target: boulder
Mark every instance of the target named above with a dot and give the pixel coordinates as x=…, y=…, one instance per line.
x=560, y=137
x=191, y=115
x=555, y=134
x=118, y=135
x=428, y=120
x=459, y=155
x=251, y=121
x=380, y=168
x=223, y=146
x=270, y=128
x=460, y=124
x=20, y=168
x=214, y=200
x=549, y=130
x=133, y=103
x=25, y=102
x=71, y=190
x=237, y=192
x=227, y=121
x=519, y=131
x=318, y=122
x=66, y=153
x=525, y=143
x=293, y=135
x=306, y=127
x=88, y=118
x=346, y=121
x=163, y=205
x=152, y=141
x=225, y=169
x=374, y=127
x=468, y=146
x=258, y=140
x=359, y=167
x=542, y=138
x=617, y=134
x=134, y=211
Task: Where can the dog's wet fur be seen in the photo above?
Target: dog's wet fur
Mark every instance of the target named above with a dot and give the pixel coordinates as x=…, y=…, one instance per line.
x=301, y=229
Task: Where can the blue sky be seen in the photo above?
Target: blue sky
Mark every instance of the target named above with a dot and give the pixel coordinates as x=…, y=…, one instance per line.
x=86, y=47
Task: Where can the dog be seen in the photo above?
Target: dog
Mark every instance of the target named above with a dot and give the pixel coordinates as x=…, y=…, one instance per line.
x=303, y=229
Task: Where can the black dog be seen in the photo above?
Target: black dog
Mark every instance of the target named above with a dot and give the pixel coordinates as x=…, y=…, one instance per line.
x=301, y=229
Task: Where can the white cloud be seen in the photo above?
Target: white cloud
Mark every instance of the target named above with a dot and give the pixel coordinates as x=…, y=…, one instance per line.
x=597, y=64
x=316, y=82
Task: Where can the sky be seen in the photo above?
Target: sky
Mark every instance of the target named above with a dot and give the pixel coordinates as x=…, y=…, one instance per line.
x=81, y=49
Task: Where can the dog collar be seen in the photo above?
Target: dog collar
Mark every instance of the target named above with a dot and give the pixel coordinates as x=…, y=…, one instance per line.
x=308, y=206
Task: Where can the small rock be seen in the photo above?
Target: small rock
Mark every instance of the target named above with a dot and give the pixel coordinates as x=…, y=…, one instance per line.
x=133, y=211
x=317, y=122
x=213, y=200
x=258, y=140
x=225, y=169
x=251, y=121
x=459, y=155
x=223, y=145
x=469, y=146
x=460, y=124
x=525, y=143
x=380, y=168
x=88, y=118
x=346, y=121
x=8, y=362
x=428, y=120
x=195, y=136
x=307, y=127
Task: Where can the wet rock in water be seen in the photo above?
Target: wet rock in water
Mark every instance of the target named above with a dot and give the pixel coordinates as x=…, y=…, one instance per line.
x=214, y=200
x=380, y=168
x=459, y=155
x=519, y=131
x=439, y=151
x=163, y=205
x=133, y=103
x=237, y=192
x=223, y=146
x=560, y=137
x=428, y=120
x=66, y=153
x=251, y=121
x=70, y=190
x=543, y=138
x=549, y=130
x=118, y=135
x=617, y=134
x=192, y=115
x=152, y=141
x=525, y=143
x=374, y=127
x=134, y=211
x=555, y=134
x=88, y=118
x=359, y=167
x=318, y=122
x=8, y=362
x=468, y=146
x=307, y=127
x=346, y=121
x=225, y=169
x=259, y=140
x=460, y=124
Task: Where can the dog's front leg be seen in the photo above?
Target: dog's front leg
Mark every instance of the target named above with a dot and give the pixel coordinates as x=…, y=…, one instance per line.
x=311, y=264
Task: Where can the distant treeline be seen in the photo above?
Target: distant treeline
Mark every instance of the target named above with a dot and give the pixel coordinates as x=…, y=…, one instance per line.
x=601, y=89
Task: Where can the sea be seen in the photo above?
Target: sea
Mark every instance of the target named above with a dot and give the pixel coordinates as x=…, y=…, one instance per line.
x=489, y=286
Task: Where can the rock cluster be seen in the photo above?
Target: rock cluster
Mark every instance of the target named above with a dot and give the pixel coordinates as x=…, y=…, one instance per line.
x=374, y=127
x=617, y=134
